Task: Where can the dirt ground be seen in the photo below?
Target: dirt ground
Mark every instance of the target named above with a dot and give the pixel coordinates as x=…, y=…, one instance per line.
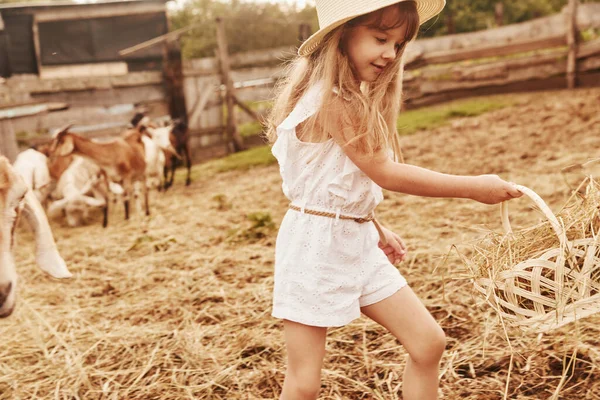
x=177, y=305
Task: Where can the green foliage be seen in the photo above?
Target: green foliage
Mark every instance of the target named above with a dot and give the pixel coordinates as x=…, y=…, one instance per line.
x=248, y=26
x=223, y=204
x=474, y=15
x=262, y=226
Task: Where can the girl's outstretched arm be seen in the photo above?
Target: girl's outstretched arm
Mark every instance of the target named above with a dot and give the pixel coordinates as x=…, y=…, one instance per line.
x=410, y=179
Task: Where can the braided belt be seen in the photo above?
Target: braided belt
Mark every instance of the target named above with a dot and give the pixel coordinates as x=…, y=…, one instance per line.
x=360, y=220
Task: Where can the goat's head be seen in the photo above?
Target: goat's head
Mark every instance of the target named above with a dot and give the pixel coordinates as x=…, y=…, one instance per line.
x=14, y=197
x=63, y=143
x=179, y=127
x=12, y=194
x=76, y=208
x=139, y=116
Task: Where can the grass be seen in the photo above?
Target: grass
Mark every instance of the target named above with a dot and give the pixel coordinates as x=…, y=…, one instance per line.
x=244, y=160
x=409, y=122
x=252, y=128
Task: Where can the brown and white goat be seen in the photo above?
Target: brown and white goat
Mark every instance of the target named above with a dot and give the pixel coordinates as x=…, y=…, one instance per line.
x=121, y=158
x=174, y=140
x=16, y=199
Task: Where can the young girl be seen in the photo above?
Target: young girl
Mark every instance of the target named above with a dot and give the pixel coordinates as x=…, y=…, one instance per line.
x=334, y=133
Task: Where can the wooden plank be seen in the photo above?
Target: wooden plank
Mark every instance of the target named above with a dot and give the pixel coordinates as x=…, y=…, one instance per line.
x=451, y=56
x=517, y=71
x=587, y=79
x=246, y=108
x=174, y=35
x=205, y=94
x=207, y=131
x=109, y=96
x=588, y=49
x=92, y=11
x=83, y=70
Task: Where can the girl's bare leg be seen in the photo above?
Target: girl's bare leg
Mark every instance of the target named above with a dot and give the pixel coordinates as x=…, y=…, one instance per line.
x=305, y=351
x=408, y=320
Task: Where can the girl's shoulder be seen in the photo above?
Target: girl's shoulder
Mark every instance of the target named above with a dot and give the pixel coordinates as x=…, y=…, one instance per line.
x=307, y=106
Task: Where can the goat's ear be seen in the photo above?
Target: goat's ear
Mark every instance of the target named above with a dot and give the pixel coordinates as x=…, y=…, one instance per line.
x=62, y=130
x=65, y=145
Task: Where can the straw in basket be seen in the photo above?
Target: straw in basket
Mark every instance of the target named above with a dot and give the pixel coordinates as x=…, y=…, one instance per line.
x=556, y=284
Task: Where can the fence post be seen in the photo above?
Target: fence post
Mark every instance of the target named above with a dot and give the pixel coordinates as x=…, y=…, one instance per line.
x=499, y=11
x=572, y=34
x=234, y=140
x=173, y=74
x=8, y=141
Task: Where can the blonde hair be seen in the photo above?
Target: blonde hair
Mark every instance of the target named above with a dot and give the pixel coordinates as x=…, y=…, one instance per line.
x=368, y=113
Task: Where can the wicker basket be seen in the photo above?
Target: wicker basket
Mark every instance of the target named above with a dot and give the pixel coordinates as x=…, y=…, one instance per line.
x=557, y=287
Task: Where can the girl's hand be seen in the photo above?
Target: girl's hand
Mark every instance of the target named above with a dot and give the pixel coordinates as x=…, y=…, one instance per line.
x=491, y=189
x=395, y=250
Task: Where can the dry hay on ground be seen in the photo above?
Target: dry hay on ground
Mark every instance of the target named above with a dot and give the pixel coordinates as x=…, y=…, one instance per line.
x=178, y=305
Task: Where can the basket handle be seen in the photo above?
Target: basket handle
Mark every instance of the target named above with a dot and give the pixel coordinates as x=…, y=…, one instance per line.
x=556, y=226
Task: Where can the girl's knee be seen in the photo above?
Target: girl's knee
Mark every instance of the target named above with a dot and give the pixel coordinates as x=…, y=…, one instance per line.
x=304, y=384
x=434, y=344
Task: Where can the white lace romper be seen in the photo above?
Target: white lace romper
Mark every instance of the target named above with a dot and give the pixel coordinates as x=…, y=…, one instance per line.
x=326, y=268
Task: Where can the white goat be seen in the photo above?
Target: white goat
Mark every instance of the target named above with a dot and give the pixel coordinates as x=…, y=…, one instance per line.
x=33, y=168
x=80, y=188
x=16, y=198
x=155, y=163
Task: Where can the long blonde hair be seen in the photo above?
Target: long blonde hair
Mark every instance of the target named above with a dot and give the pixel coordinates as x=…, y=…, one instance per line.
x=370, y=111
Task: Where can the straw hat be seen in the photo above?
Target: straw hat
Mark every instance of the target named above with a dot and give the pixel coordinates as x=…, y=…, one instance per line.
x=333, y=13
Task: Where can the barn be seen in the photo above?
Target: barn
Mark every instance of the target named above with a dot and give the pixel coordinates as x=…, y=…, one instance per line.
x=69, y=39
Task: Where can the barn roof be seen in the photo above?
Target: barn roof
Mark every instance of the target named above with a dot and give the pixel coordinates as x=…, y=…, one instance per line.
x=67, y=4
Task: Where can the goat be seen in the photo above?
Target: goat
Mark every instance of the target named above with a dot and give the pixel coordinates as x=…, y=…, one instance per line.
x=121, y=158
x=155, y=163
x=16, y=199
x=180, y=140
x=32, y=165
x=81, y=187
x=174, y=140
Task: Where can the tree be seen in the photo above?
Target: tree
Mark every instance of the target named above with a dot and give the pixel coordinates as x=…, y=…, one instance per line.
x=249, y=26
x=473, y=15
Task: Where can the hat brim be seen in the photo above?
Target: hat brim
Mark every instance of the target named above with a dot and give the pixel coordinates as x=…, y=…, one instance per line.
x=426, y=9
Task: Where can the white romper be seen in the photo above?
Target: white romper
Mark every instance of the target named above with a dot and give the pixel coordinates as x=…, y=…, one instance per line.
x=326, y=268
